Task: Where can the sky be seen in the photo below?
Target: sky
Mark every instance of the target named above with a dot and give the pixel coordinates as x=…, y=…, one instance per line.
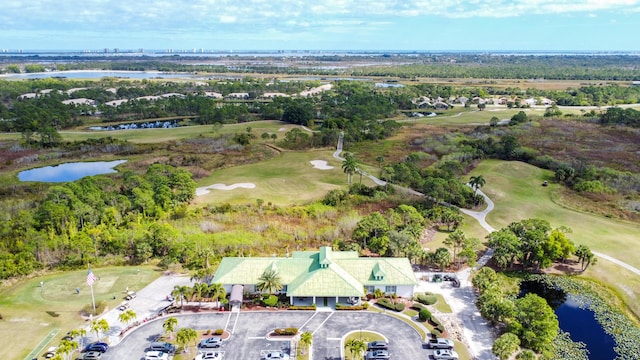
x=235, y=25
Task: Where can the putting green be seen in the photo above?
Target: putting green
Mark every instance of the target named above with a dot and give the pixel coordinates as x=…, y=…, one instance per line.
x=31, y=312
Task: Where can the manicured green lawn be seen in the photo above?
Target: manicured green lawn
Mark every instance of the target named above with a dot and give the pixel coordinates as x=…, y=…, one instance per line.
x=162, y=135
x=516, y=190
x=367, y=336
x=31, y=311
x=286, y=179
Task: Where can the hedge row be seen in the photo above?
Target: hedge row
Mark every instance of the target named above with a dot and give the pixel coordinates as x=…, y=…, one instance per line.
x=286, y=331
x=386, y=303
x=302, y=307
x=436, y=324
x=364, y=306
x=427, y=299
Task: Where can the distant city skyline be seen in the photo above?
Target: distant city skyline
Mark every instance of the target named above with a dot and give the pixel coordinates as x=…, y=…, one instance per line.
x=400, y=25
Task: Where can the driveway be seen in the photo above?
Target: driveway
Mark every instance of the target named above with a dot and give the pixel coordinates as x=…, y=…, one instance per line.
x=249, y=339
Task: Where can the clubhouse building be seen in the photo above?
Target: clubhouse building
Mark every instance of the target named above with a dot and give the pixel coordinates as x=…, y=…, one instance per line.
x=324, y=277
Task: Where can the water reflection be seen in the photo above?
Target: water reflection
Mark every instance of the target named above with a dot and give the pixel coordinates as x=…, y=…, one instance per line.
x=69, y=171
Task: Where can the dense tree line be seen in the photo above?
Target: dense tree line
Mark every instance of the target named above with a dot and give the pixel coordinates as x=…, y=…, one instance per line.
x=97, y=216
x=441, y=65
x=529, y=318
x=618, y=116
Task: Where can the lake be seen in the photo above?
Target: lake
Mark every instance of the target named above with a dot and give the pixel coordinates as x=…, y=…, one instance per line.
x=69, y=171
x=97, y=74
x=580, y=323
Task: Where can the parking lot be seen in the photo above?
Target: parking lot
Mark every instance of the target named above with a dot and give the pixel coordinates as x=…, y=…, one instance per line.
x=249, y=339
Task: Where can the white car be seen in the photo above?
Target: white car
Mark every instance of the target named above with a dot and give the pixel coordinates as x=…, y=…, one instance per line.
x=208, y=356
x=276, y=355
x=156, y=355
x=445, y=355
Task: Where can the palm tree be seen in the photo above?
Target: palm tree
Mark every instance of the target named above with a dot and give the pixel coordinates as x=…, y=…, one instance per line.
x=99, y=326
x=217, y=292
x=269, y=282
x=456, y=241
x=181, y=292
x=356, y=347
x=79, y=333
x=349, y=166
x=477, y=182
x=127, y=316
x=198, y=291
x=585, y=256
x=305, y=339
x=169, y=325
x=66, y=347
x=185, y=336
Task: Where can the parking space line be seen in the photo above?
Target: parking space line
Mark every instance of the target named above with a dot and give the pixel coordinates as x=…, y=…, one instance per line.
x=256, y=337
x=309, y=319
x=333, y=339
x=325, y=320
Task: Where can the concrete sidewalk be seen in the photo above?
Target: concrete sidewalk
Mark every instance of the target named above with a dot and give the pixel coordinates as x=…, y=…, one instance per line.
x=146, y=305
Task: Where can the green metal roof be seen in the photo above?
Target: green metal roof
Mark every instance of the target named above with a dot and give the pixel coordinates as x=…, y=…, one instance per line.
x=342, y=273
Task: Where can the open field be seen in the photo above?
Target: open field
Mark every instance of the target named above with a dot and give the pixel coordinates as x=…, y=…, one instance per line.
x=515, y=189
x=148, y=136
x=286, y=179
x=31, y=311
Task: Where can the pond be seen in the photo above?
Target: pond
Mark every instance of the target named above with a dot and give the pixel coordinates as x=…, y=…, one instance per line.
x=69, y=171
x=580, y=323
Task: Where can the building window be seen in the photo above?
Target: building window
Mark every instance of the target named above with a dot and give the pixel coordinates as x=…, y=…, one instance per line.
x=370, y=289
x=390, y=289
x=284, y=289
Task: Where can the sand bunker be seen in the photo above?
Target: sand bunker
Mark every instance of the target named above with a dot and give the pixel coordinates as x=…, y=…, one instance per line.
x=282, y=129
x=320, y=164
x=206, y=189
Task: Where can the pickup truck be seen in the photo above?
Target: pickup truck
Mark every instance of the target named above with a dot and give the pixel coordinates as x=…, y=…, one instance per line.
x=440, y=343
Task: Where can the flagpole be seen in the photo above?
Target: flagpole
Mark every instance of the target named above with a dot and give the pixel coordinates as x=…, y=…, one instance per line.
x=93, y=300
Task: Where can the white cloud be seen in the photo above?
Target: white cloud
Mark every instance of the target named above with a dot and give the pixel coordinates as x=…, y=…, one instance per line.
x=228, y=19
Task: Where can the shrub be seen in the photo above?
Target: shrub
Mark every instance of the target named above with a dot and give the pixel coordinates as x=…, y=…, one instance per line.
x=386, y=303
x=100, y=307
x=424, y=315
x=427, y=299
x=207, y=332
x=285, y=331
x=302, y=307
x=272, y=300
x=352, y=307
x=218, y=332
x=434, y=321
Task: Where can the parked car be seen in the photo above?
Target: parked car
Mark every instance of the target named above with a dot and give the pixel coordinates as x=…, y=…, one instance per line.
x=124, y=306
x=162, y=346
x=212, y=342
x=377, y=354
x=130, y=295
x=96, y=346
x=51, y=352
x=445, y=355
x=208, y=356
x=378, y=345
x=276, y=355
x=156, y=355
x=92, y=355
x=440, y=343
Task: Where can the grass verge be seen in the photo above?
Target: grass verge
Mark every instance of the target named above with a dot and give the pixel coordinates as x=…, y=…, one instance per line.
x=30, y=311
